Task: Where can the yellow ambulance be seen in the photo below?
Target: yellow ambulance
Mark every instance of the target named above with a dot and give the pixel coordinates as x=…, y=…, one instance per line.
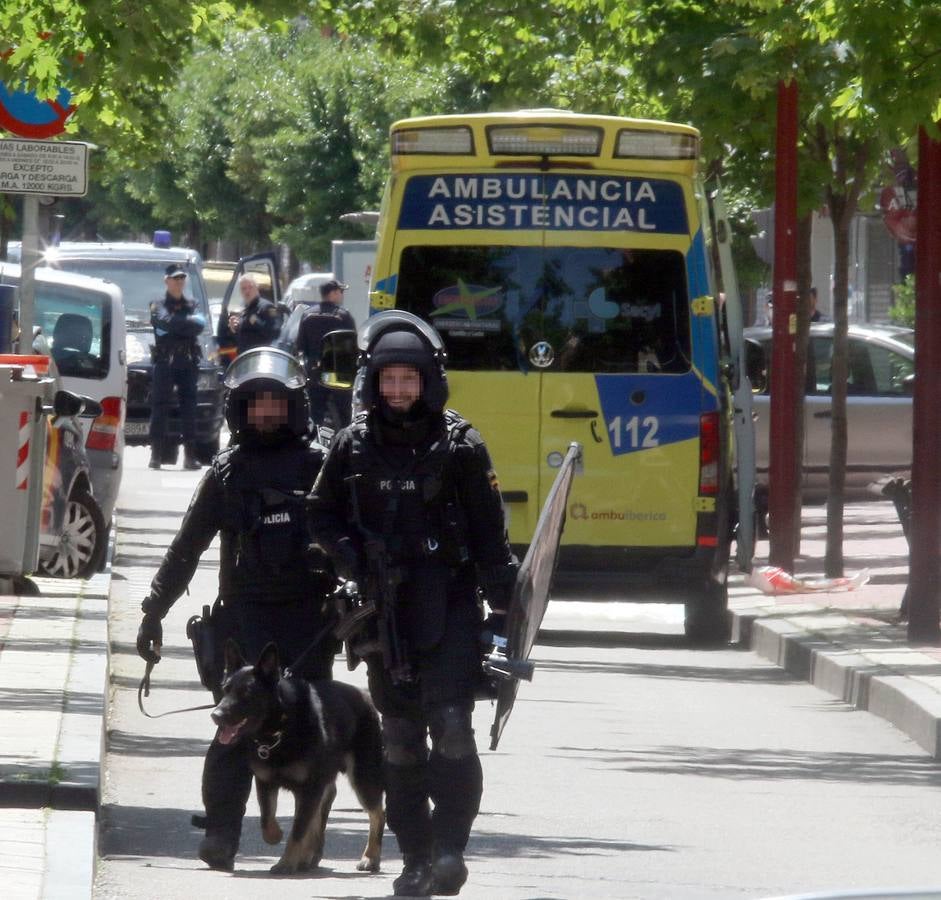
x=563, y=259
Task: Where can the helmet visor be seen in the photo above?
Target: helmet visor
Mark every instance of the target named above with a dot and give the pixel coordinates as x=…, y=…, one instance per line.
x=268, y=363
x=397, y=320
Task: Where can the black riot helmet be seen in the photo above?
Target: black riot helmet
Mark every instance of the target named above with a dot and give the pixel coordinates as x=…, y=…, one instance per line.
x=266, y=369
x=396, y=337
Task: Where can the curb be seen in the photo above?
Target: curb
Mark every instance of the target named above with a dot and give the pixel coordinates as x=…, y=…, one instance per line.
x=898, y=684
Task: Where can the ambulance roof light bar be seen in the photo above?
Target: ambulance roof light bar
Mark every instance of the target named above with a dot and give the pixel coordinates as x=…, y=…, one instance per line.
x=544, y=140
x=647, y=144
x=453, y=141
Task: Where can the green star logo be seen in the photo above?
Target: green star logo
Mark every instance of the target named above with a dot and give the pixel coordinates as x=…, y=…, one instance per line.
x=467, y=303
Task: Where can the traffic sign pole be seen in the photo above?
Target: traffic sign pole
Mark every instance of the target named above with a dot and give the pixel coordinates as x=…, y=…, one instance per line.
x=783, y=501
x=29, y=259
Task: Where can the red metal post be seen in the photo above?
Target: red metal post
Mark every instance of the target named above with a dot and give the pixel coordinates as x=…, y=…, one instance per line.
x=925, y=560
x=783, y=502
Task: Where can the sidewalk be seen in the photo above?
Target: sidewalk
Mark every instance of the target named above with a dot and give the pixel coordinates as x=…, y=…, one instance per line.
x=54, y=683
x=53, y=693
x=846, y=643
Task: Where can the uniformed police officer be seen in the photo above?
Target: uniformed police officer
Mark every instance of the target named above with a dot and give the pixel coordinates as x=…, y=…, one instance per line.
x=255, y=495
x=176, y=355
x=319, y=320
x=418, y=479
x=259, y=322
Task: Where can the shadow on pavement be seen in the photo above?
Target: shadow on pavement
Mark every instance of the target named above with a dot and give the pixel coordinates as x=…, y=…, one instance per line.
x=741, y=675
x=766, y=764
x=133, y=831
x=124, y=744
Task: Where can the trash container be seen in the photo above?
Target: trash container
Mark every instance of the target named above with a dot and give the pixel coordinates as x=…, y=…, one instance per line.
x=24, y=388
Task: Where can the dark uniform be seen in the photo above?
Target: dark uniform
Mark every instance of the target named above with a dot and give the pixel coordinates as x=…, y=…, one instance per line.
x=176, y=356
x=255, y=496
x=423, y=482
x=319, y=320
x=259, y=325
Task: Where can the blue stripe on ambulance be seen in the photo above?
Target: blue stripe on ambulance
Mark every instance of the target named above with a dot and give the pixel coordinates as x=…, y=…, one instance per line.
x=702, y=321
x=642, y=412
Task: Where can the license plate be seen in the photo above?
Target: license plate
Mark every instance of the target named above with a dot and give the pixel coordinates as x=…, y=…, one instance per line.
x=136, y=428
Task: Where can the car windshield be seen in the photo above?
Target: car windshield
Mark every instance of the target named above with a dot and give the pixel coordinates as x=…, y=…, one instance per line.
x=140, y=280
x=600, y=309
x=77, y=325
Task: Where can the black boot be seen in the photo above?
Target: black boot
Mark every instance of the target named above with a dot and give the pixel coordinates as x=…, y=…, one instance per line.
x=189, y=459
x=217, y=849
x=416, y=879
x=154, y=460
x=448, y=873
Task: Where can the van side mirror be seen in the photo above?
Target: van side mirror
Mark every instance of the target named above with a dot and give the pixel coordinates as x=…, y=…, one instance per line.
x=65, y=403
x=338, y=355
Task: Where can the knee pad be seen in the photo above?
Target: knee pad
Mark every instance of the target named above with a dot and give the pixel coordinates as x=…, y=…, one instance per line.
x=451, y=733
x=403, y=741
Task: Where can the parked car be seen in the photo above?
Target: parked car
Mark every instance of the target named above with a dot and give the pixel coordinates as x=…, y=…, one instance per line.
x=305, y=289
x=73, y=536
x=81, y=323
x=138, y=270
x=878, y=406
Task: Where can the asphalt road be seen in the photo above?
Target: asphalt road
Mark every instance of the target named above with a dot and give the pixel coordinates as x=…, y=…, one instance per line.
x=644, y=771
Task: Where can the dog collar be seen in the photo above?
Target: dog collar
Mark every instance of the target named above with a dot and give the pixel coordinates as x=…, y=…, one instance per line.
x=264, y=750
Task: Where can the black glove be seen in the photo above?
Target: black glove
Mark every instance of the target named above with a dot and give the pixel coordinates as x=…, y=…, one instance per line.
x=149, y=638
x=494, y=626
x=347, y=562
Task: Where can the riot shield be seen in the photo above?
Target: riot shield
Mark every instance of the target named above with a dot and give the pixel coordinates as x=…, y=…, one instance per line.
x=510, y=661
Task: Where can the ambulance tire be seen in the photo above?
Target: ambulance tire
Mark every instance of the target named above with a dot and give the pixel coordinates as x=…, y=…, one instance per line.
x=708, y=622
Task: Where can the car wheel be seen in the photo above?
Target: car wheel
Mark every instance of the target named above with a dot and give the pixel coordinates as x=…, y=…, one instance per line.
x=708, y=622
x=82, y=542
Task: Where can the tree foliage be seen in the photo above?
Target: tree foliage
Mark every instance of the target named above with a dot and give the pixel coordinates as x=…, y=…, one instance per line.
x=117, y=57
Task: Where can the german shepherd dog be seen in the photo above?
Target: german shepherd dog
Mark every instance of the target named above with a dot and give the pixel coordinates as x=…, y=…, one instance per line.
x=301, y=735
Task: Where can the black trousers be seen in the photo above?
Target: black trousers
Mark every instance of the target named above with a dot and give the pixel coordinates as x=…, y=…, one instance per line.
x=433, y=792
x=227, y=776
x=165, y=377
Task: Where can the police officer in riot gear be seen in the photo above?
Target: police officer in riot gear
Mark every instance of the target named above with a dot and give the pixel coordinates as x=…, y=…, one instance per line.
x=418, y=478
x=269, y=587
x=176, y=355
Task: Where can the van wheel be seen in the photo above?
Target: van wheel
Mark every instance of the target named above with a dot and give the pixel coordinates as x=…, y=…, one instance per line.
x=82, y=543
x=707, y=621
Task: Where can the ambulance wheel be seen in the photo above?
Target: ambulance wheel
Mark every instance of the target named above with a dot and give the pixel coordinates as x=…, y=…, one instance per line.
x=708, y=622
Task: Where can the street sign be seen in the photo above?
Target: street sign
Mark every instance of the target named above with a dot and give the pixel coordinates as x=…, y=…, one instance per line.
x=54, y=168
x=24, y=114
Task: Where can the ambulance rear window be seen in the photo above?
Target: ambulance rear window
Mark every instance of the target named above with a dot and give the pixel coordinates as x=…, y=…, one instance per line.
x=600, y=309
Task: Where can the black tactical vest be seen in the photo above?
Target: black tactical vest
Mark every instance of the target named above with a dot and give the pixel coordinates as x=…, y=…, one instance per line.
x=266, y=535
x=412, y=505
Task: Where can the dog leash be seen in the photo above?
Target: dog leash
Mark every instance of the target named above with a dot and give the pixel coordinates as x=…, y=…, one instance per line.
x=143, y=690
x=327, y=629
